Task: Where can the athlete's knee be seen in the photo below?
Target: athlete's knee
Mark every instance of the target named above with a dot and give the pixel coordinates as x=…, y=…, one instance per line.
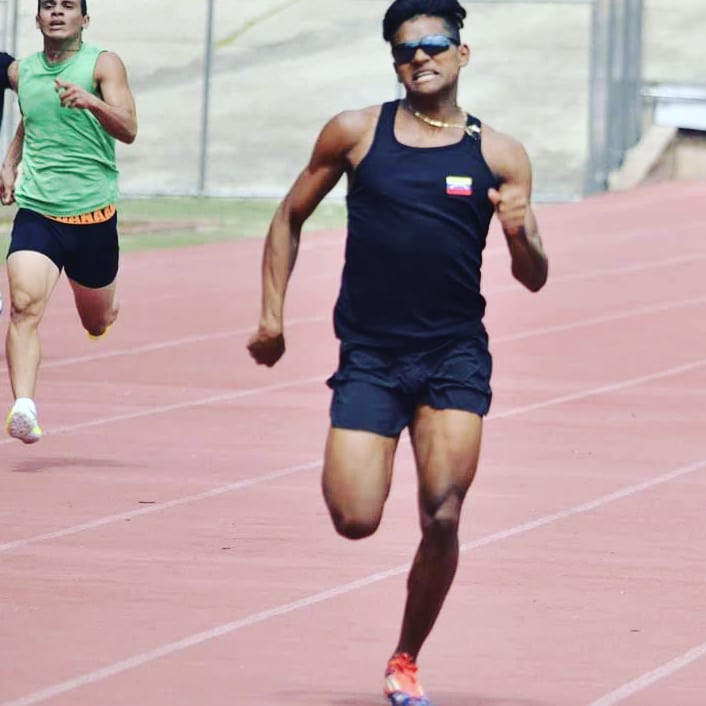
x=97, y=323
x=25, y=307
x=95, y=327
x=355, y=525
x=441, y=515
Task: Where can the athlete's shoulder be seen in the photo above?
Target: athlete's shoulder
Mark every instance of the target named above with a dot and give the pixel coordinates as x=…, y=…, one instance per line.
x=350, y=126
x=29, y=66
x=505, y=155
x=5, y=60
x=501, y=141
x=357, y=120
x=8, y=71
x=108, y=56
x=109, y=64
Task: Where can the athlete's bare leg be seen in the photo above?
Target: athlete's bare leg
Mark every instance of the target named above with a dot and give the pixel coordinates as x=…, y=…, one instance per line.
x=446, y=446
x=98, y=308
x=356, y=479
x=32, y=278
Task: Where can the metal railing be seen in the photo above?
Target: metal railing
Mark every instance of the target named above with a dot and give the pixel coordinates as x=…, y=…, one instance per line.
x=205, y=136
x=615, y=122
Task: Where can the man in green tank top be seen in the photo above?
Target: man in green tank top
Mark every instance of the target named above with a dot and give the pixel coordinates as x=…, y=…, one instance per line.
x=60, y=168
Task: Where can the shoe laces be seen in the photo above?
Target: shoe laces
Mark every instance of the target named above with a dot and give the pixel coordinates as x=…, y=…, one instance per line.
x=403, y=672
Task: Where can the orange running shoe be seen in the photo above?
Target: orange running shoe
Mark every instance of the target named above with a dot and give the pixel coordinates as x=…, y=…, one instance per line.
x=402, y=685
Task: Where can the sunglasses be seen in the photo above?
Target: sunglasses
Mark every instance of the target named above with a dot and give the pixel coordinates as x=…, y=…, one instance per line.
x=432, y=45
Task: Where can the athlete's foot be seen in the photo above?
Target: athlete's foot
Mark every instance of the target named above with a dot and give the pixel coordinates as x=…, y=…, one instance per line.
x=22, y=424
x=402, y=685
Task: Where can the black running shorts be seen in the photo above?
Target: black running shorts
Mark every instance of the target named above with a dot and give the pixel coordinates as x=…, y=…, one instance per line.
x=379, y=390
x=87, y=252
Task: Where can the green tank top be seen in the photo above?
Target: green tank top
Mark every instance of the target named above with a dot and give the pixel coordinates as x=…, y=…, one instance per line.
x=68, y=159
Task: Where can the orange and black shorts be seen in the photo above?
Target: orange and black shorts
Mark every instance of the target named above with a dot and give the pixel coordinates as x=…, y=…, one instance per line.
x=85, y=246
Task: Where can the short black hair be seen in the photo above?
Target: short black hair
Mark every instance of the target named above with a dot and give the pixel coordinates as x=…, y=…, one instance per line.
x=402, y=10
x=84, y=8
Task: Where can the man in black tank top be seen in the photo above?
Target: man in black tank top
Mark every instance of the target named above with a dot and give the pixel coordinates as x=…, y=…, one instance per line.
x=5, y=62
x=424, y=180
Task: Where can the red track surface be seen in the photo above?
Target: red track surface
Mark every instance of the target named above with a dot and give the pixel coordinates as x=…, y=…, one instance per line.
x=166, y=543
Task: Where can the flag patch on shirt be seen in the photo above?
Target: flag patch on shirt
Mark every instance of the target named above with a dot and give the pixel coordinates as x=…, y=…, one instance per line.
x=459, y=186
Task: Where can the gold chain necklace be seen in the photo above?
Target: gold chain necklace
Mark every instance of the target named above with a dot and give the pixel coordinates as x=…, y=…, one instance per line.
x=470, y=130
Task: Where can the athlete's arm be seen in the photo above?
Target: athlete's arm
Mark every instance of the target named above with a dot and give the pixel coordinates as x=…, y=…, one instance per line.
x=8, y=67
x=8, y=175
x=13, y=75
x=114, y=106
x=511, y=200
x=329, y=161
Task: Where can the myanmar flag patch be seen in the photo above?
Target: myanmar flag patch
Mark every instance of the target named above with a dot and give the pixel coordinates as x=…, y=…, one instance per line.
x=459, y=186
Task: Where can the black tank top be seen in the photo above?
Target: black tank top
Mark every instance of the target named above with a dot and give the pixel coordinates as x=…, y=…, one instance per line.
x=418, y=219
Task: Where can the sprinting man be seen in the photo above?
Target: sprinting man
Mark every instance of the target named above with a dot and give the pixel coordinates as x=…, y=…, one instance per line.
x=424, y=180
x=75, y=102
x=6, y=60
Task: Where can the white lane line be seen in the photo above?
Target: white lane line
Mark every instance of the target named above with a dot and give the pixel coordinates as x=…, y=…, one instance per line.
x=162, y=345
x=317, y=598
x=512, y=412
x=591, y=321
x=597, y=320
x=220, y=335
x=608, y=272
x=177, y=406
x=588, y=506
x=631, y=268
x=650, y=678
x=601, y=389
x=159, y=507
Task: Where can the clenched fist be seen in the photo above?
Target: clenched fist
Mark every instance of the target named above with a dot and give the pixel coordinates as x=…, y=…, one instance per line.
x=266, y=347
x=511, y=204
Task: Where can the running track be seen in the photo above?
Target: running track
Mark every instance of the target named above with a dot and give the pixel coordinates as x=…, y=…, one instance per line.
x=166, y=543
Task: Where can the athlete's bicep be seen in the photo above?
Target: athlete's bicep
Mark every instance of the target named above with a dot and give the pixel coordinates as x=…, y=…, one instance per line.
x=508, y=160
x=308, y=191
x=518, y=169
x=13, y=75
x=111, y=78
x=328, y=163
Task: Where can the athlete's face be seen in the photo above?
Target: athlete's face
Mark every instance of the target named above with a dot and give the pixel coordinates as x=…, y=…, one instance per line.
x=61, y=19
x=429, y=71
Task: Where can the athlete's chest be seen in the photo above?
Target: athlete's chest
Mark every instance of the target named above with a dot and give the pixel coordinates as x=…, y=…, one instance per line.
x=38, y=89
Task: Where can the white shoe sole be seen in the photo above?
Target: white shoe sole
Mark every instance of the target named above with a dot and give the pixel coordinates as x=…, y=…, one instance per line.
x=23, y=427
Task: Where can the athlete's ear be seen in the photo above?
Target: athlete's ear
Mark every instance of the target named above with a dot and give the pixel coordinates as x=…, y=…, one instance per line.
x=464, y=52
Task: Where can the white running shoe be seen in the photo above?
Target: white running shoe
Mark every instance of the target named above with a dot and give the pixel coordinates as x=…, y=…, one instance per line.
x=23, y=425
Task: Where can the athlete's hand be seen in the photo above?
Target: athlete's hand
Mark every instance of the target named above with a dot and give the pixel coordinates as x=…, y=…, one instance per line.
x=511, y=205
x=73, y=96
x=8, y=176
x=266, y=347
